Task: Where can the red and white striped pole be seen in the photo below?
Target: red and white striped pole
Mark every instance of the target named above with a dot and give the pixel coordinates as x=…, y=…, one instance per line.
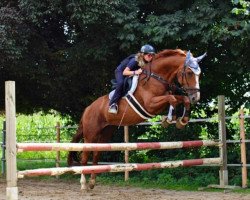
x=112, y=146
x=118, y=168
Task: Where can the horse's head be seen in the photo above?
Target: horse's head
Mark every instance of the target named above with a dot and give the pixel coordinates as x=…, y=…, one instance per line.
x=188, y=77
x=175, y=67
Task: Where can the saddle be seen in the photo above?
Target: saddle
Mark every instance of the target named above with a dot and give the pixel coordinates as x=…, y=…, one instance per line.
x=126, y=84
x=129, y=85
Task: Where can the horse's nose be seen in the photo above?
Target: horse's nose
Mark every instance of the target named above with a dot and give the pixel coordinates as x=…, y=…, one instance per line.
x=195, y=98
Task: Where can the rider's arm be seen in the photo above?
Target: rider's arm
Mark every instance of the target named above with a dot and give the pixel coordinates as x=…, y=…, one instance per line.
x=131, y=68
x=128, y=72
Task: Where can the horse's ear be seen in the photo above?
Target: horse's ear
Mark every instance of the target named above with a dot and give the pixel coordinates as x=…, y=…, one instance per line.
x=201, y=57
x=188, y=55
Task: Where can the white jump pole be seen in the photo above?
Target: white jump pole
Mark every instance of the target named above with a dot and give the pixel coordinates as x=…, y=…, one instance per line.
x=10, y=109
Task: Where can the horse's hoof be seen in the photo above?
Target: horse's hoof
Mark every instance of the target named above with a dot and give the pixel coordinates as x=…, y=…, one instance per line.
x=91, y=184
x=84, y=188
x=180, y=123
x=165, y=122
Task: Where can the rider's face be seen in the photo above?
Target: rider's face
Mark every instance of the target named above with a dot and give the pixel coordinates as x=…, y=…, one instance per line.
x=148, y=57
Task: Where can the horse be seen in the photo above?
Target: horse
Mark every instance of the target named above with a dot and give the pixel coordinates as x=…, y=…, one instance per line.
x=170, y=70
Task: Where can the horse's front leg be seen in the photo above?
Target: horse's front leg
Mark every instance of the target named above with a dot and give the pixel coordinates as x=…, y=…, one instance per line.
x=183, y=120
x=168, y=119
x=157, y=103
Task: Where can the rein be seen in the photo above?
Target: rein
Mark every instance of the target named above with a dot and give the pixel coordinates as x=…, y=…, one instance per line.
x=172, y=87
x=176, y=87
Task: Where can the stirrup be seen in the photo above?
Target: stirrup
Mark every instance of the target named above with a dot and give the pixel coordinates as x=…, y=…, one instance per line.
x=113, y=108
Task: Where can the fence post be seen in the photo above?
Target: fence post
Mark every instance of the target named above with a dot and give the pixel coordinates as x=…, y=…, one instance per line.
x=243, y=149
x=3, y=148
x=126, y=154
x=58, y=135
x=222, y=137
x=10, y=110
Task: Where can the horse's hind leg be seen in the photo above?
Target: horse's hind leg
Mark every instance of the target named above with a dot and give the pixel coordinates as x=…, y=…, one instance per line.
x=105, y=136
x=83, y=182
x=84, y=161
x=96, y=155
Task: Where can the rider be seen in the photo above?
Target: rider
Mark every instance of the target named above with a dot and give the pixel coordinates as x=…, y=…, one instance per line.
x=128, y=67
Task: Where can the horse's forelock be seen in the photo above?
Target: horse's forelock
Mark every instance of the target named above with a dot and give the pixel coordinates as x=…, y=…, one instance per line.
x=170, y=52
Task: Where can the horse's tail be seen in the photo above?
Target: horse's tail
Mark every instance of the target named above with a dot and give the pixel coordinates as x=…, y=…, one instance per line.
x=73, y=156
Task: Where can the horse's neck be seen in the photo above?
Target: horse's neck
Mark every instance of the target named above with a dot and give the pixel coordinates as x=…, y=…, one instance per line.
x=166, y=70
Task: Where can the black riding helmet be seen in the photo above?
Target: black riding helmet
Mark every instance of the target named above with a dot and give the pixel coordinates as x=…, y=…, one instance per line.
x=147, y=49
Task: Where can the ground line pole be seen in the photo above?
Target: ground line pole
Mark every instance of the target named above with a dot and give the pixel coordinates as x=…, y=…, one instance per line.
x=11, y=150
x=126, y=152
x=222, y=136
x=243, y=149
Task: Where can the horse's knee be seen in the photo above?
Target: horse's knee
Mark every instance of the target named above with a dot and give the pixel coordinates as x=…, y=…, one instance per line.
x=174, y=103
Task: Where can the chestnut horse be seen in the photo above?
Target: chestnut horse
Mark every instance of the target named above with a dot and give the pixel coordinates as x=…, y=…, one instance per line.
x=168, y=71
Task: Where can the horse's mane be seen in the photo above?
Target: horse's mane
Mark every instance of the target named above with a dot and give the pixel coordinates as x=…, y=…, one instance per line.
x=169, y=52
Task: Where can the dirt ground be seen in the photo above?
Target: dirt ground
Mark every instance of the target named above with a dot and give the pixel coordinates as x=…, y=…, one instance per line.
x=33, y=189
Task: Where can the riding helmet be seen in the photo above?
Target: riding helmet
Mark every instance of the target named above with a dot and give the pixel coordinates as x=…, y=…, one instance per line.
x=148, y=49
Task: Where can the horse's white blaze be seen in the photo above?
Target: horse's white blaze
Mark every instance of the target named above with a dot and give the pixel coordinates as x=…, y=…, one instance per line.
x=198, y=87
x=197, y=82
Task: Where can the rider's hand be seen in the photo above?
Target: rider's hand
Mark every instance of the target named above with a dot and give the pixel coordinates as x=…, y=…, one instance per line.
x=139, y=71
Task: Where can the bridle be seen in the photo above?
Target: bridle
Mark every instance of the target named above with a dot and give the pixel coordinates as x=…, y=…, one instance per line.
x=184, y=77
x=175, y=87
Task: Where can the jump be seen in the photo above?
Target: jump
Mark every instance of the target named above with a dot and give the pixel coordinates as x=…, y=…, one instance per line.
x=169, y=72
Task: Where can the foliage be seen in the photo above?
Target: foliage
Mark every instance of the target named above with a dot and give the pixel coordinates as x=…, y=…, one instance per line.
x=243, y=7
x=41, y=127
x=14, y=35
x=64, y=53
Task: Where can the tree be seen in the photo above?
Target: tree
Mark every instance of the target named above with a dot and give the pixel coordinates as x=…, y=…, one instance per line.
x=62, y=54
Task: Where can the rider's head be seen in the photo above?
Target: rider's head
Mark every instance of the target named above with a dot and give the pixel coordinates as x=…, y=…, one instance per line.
x=148, y=52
